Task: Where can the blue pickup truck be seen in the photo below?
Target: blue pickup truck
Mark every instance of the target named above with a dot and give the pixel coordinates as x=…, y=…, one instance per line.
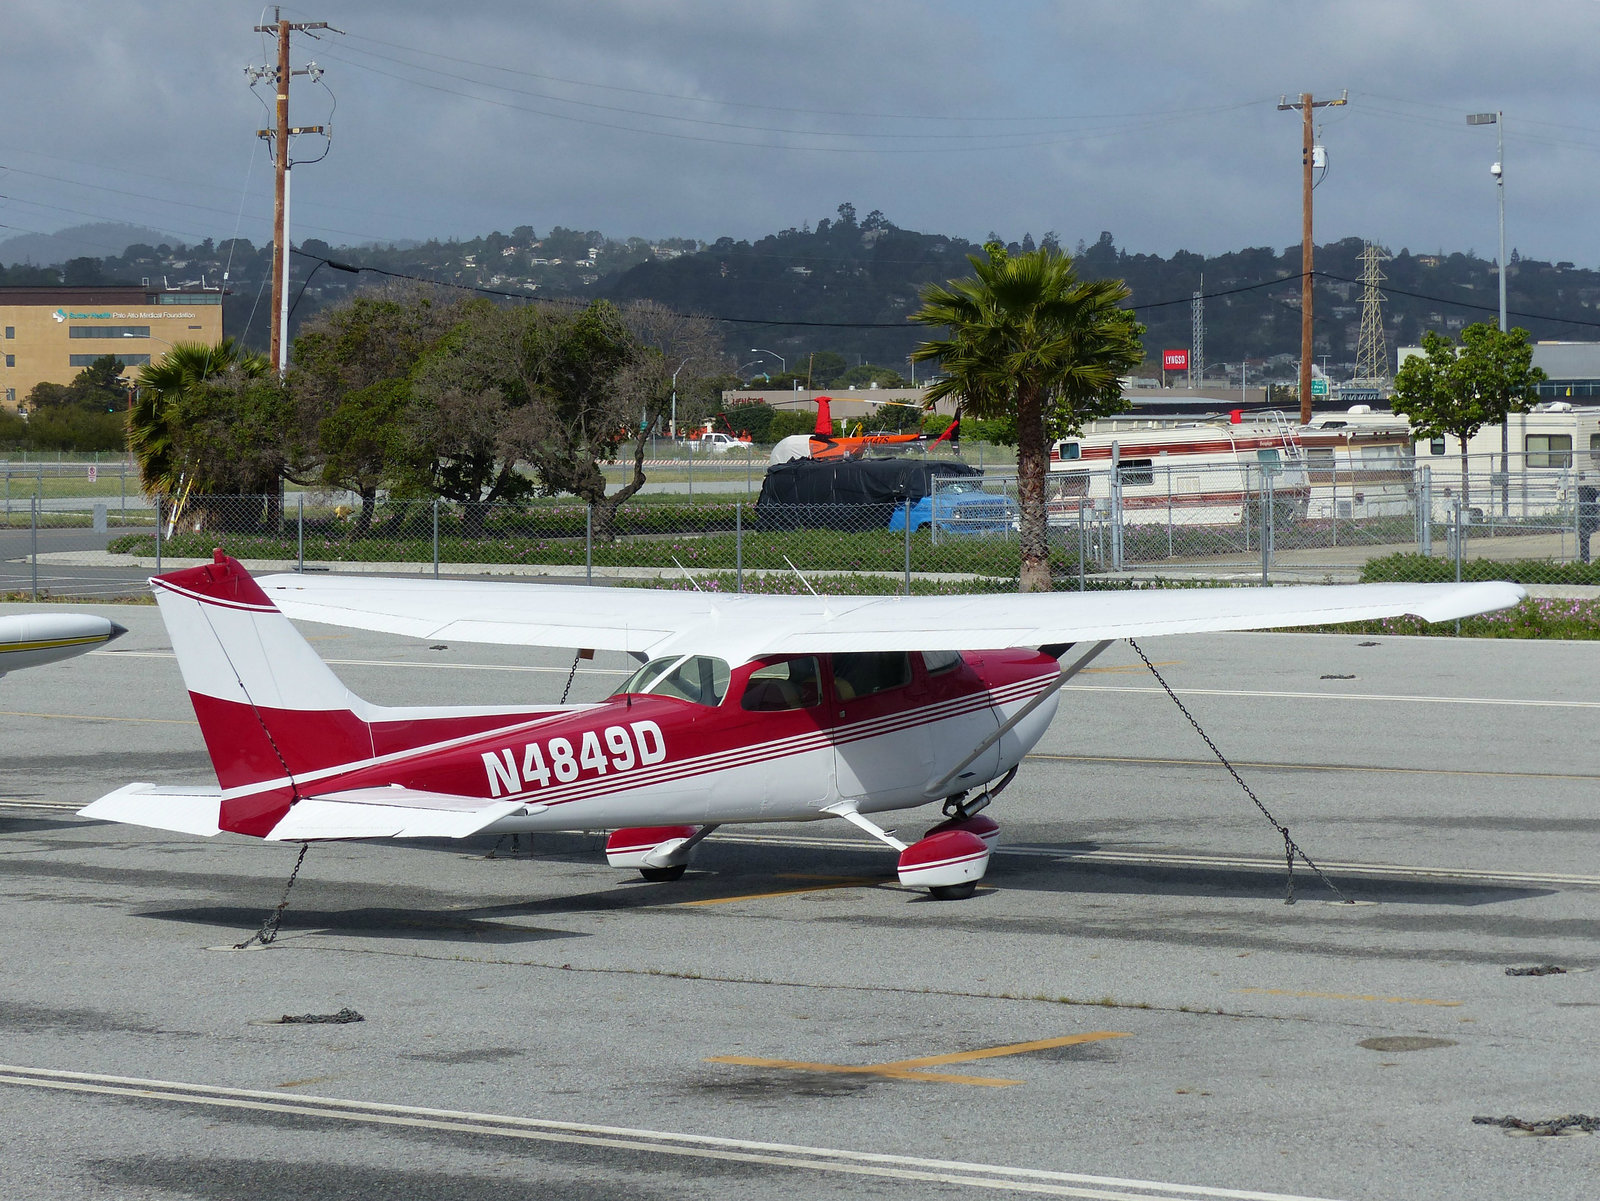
x=865, y=494
x=959, y=507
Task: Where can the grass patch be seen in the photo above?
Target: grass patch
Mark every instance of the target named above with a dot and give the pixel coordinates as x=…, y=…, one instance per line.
x=1423, y=569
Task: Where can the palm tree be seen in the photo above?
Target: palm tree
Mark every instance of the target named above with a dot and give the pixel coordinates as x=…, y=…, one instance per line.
x=154, y=435
x=1027, y=339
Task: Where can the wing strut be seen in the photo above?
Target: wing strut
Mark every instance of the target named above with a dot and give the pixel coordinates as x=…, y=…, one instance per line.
x=1067, y=672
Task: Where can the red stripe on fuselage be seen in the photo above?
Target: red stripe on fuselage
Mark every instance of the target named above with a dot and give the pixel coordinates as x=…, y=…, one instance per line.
x=698, y=741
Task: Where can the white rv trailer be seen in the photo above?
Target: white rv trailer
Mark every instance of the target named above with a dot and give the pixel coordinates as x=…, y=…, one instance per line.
x=1191, y=473
x=1549, y=451
x=1361, y=464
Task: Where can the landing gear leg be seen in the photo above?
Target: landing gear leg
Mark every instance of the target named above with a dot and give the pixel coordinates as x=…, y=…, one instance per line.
x=948, y=862
x=661, y=853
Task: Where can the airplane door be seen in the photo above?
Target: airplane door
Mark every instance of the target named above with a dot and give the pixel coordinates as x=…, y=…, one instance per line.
x=880, y=741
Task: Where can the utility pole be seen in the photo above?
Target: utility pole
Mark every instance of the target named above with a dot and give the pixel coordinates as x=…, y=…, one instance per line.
x=279, y=136
x=1305, y=104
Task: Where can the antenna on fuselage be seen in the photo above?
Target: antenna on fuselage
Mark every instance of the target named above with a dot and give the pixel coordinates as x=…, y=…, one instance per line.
x=803, y=579
x=686, y=574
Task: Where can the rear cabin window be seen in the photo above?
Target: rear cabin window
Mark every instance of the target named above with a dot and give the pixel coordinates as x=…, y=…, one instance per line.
x=698, y=678
x=1548, y=450
x=1436, y=446
x=937, y=662
x=1137, y=471
x=775, y=687
x=1068, y=451
x=870, y=672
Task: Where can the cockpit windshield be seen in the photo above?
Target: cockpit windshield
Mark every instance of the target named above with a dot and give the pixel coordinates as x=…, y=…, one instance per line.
x=697, y=678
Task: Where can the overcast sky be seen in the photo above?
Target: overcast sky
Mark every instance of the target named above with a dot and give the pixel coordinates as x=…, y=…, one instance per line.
x=1154, y=119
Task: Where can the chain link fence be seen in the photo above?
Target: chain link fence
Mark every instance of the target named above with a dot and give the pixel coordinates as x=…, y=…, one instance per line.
x=1289, y=522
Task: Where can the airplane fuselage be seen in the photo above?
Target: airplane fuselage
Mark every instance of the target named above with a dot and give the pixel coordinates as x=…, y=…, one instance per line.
x=652, y=760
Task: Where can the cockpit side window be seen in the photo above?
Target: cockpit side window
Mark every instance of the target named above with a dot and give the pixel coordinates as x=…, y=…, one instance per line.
x=700, y=679
x=869, y=672
x=787, y=684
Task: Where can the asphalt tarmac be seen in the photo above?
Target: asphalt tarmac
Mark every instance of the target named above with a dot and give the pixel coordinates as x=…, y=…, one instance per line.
x=1127, y=1009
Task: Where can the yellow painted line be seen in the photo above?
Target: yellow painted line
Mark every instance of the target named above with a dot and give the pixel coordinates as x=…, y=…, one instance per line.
x=792, y=1065
x=1340, y=996
x=1043, y=1044
x=163, y=721
x=1330, y=767
x=1089, y=671
x=846, y=882
x=911, y=1069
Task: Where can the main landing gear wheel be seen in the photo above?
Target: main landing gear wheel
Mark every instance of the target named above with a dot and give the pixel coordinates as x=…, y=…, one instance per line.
x=660, y=875
x=953, y=892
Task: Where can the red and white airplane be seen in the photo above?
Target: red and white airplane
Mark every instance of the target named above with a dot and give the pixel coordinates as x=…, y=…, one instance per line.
x=747, y=708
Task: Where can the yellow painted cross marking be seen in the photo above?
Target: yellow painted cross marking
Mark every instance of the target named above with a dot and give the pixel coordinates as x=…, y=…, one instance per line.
x=911, y=1069
x=1340, y=996
x=826, y=882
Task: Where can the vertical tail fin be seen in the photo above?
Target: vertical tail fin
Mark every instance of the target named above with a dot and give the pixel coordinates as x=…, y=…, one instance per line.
x=268, y=706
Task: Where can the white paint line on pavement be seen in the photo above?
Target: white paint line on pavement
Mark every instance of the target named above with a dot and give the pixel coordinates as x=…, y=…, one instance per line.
x=778, y=1155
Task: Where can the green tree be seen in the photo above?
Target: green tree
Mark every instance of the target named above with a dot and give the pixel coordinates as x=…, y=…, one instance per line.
x=1024, y=337
x=173, y=460
x=1458, y=389
x=352, y=395
x=98, y=388
x=585, y=387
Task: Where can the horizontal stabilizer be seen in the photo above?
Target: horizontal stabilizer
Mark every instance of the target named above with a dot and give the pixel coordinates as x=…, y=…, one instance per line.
x=388, y=813
x=183, y=810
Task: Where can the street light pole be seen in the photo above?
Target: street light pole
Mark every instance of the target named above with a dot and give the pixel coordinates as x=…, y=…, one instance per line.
x=672, y=423
x=783, y=363
x=1497, y=119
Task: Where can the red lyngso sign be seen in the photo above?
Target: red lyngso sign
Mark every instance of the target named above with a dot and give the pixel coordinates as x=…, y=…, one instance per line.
x=1174, y=360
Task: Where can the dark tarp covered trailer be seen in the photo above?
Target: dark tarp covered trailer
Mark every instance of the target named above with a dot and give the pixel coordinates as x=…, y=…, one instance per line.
x=846, y=494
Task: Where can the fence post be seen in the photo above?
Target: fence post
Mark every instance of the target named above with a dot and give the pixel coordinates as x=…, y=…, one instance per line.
x=1266, y=527
x=436, y=537
x=1425, y=513
x=1116, y=516
x=1083, y=579
x=905, y=507
x=738, y=546
x=1457, y=539
x=34, y=556
x=300, y=532
x=588, y=544
x=691, y=473
x=1333, y=511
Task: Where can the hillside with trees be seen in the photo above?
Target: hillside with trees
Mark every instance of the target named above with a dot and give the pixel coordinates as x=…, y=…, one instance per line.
x=835, y=297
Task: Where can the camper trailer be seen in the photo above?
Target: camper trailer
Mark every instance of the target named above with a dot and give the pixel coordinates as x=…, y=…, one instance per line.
x=1193, y=473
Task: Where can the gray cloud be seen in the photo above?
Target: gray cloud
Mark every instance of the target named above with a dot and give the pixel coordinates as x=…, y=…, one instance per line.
x=1154, y=119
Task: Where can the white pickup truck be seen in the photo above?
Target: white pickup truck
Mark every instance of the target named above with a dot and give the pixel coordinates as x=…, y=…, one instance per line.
x=716, y=443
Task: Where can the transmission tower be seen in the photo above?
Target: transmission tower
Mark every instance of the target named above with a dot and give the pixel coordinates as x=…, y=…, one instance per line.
x=1197, y=336
x=1372, y=352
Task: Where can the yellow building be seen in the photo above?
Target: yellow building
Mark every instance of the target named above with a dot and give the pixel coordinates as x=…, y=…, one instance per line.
x=51, y=334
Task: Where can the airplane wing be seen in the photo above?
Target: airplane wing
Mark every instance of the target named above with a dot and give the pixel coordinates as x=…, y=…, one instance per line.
x=654, y=622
